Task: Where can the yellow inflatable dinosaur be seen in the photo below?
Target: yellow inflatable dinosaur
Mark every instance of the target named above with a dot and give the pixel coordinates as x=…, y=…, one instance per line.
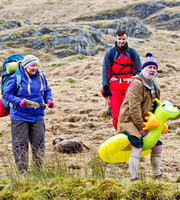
x=117, y=148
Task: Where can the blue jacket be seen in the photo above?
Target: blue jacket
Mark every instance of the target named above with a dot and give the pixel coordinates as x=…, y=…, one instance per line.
x=113, y=54
x=12, y=95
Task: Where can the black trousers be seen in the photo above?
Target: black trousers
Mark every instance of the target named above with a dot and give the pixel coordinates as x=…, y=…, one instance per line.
x=24, y=133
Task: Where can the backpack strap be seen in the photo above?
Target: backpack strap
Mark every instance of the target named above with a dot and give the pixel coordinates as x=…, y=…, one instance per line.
x=5, y=104
x=123, y=65
x=43, y=80
x=19, y=63
x=18, y=80
x=18, y=85
x=131, y=51
x=111, y=53
x=131, y=54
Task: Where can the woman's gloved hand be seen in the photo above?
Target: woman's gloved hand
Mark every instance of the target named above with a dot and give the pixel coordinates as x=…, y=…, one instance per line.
x=50, y=103
x=23, y=104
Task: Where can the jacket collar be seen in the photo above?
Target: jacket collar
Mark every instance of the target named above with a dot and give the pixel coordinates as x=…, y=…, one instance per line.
x=145, y=83
x=122, y=48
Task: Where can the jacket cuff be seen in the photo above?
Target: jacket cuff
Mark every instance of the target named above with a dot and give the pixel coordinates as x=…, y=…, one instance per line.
x=106, y=86
x=140, y=126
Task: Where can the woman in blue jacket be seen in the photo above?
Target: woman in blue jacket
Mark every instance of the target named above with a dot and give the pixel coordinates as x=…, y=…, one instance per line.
x=27, y=122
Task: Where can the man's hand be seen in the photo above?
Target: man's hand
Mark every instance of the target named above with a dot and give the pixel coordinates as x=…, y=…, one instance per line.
x=143, y=133
x=106, y=91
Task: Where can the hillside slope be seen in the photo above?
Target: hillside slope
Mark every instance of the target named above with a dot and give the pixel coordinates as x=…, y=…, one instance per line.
x=76, y=79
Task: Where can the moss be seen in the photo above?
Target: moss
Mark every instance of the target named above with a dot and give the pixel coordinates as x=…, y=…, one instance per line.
x=106, y=115
x=71, y=80
x=150, y=190
x=72, y=187
x=76, y=57
x=86, y=78
x=107, y=189
x=6, y=194
x=3, y=183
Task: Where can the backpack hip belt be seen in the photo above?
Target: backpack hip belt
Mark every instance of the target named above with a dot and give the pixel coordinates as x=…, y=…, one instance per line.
x=128, y=80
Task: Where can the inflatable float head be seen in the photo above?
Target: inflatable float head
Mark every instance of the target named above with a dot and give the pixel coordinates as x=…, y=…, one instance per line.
x=166, y=110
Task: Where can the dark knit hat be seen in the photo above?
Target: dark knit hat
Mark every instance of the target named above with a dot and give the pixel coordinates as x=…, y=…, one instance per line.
x=28, y=60
x=149, y=60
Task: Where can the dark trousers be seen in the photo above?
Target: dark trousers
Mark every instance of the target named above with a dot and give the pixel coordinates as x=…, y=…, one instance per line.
x=22, y=133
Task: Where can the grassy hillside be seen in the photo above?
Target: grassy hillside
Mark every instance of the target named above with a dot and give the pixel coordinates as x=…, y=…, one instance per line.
x=80, y=112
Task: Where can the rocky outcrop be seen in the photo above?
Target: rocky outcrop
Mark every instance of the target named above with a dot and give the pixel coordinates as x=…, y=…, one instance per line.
x=66, y=39
x=165, y=20
x=85, y=42
x=140, y=10
x=144, y=10
x=108, y=15
x=62, y=41
x=162, y=19
x=133, y=26
x=9, y=24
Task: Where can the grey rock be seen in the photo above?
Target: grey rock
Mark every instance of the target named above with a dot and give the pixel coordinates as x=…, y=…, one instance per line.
x=37, y=44
x=175, y=36
x=63, y=40
x=134, y=27
x=42, y=30
x=144, y=10
x=163, y=16
x=170, y=25
x=12, y=24
x=27, y=22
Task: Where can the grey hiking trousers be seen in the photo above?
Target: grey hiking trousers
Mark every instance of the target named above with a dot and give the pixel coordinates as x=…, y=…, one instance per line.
x=22, y=133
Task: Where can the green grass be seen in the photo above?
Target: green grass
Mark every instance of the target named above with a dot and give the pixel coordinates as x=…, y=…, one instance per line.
x=59, y=180
x=71, y=80
x=64, y=187
x=106, y=115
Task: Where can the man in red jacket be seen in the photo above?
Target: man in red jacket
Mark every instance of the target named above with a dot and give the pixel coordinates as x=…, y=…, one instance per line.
x=120, y=64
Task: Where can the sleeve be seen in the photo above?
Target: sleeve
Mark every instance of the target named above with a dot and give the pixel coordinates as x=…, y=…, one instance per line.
x=135, y=92
x=137, y=62
x=106, y=64
x=10, y=91
x=47, y=93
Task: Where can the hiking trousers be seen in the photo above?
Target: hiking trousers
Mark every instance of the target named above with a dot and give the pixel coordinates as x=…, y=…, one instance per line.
x=22, y=133
x=118, y=91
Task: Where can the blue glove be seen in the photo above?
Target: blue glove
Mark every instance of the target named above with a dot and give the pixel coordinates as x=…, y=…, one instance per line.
x=106, y=91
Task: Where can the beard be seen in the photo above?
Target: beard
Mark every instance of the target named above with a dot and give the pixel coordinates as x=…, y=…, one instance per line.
x=149, y=76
